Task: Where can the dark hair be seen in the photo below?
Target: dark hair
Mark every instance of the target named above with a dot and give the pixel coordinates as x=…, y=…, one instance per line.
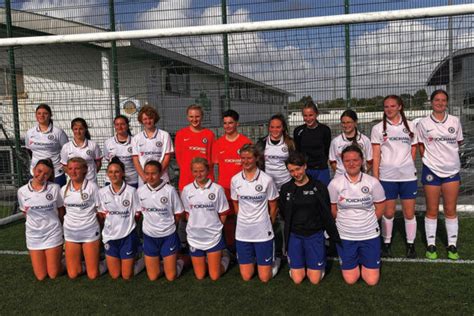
x=116, y=161
x=286, y=137
x=46, y=107
x=123, y=117
x=354, y=148
x=352, y=115
x=296, y=158
x=231, y=113
x=402, y=114
x=154, y=163
x=311, y=105
x=80, y=120
x=150, y=112
x=438, y=92
x=48, y=163
x=200, y=160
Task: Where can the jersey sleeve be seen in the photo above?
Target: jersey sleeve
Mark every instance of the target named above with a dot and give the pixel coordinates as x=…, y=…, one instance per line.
x=176, y=203
x=326, y=216
x=106, y=151
x=168, y=144
x=332, y=190
x=97, y=197
x=327, y=141
x=136, y=208
x=378, y=194
x=419, y=132
x=215, y=152
x=459, y=135
x=27, y=139
x=178, y=147
x=368, y=149
x=63, y=139
x=233, y=190
x=135, y=149
x=185, y=200
x=375, y=135
x=333, y=150
x=222, y=204
x=414, y=140
x=59, y=197
x=272, y=191
x=64, y=154
x=21, y=205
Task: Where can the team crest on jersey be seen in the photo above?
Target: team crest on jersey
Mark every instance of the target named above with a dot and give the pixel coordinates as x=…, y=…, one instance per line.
x=84, y=196
x=451, y=130
x=204, y=140
x=129, y=149
x=259, y=188
x=159, y=144
x=89, y=152
x=126, y=203
x=238, y=151
x=284, y=149
x=49, y=196
x=211, y=196
x=365, y=189
x=429, y=178
x=164, y=200
x=50, y=137
x=405, y=130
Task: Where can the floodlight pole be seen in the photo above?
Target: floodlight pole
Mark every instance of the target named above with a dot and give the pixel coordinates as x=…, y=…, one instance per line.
x=114, y=65
x=225, y=45
x=16, y=119
x=347, y=36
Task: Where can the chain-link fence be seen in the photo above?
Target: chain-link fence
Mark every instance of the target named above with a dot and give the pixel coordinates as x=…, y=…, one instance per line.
x=256, y=73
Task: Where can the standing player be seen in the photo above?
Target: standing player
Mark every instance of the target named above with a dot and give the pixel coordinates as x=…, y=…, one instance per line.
x=81, y=146
x=81, y=227
x=118, y=208
x=161, y=209
x=254, y=195
x=40, y=200
x=193, y=141
x=350, y=136
x=206, y=208
x=305, y=207
x=314, y=140
x=45, y=141
x=440, y=135
x=276, y=148
x=120, y=146
x=394, y=150
x=151, y=144
x=357, y=202
x=226, y=154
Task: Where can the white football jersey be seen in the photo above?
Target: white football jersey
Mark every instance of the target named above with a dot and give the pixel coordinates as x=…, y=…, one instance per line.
x=153, y=148
x=43, y=228
x=396, y=162
x=204, y=228
x=441, y=140
x=119, y=209
x=158, y=206
x=356, y=219
x=275, y=156
x=45, y=145
x=253, y=218
x=80, y=221
x=123, y=151
x=89, y=151
x=340, y=142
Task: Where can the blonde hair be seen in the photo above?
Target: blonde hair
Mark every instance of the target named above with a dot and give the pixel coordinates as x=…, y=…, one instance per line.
x=195, y=107
x=200, y=160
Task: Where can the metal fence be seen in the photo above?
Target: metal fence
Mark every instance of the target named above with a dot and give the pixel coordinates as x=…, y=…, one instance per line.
x=256, y=73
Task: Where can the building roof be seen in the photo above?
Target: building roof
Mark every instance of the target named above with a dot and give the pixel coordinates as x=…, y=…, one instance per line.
x=34, y=24
x=440, y=75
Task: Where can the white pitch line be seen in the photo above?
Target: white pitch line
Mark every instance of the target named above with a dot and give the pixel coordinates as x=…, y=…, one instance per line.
x=420, y=260
x=13, y=252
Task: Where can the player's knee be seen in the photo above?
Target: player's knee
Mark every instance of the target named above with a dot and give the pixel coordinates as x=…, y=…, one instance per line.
x=371, y=281
x=73, y=274
x=200, y=275
x=214, y=276
x=350, y=280
x=40, y=276
x=246, y=276
x=297, y=279
x=127, y=276
x=265, y=278
x=170, y=276
x=315, y=280
x=114, y=275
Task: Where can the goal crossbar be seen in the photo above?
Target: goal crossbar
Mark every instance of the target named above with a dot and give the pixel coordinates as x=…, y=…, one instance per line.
x=354, y=18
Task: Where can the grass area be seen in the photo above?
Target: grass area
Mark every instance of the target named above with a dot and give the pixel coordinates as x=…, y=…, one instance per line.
x=405, y=288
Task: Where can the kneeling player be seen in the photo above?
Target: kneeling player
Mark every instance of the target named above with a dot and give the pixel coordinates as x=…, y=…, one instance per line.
x=206, y=209
x=357, y=202
x=161, y=208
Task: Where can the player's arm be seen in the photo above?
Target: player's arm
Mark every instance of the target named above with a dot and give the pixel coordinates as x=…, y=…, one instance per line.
x=421, y=148
x=61, y=213
x=376, y=155
x=98, y=164
x=379, y=209
x=166, y=161
x=333, y=165
x=273, y=208
x=413, y=151
x=236, y=206
x=334, y=210
x=138, y=167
